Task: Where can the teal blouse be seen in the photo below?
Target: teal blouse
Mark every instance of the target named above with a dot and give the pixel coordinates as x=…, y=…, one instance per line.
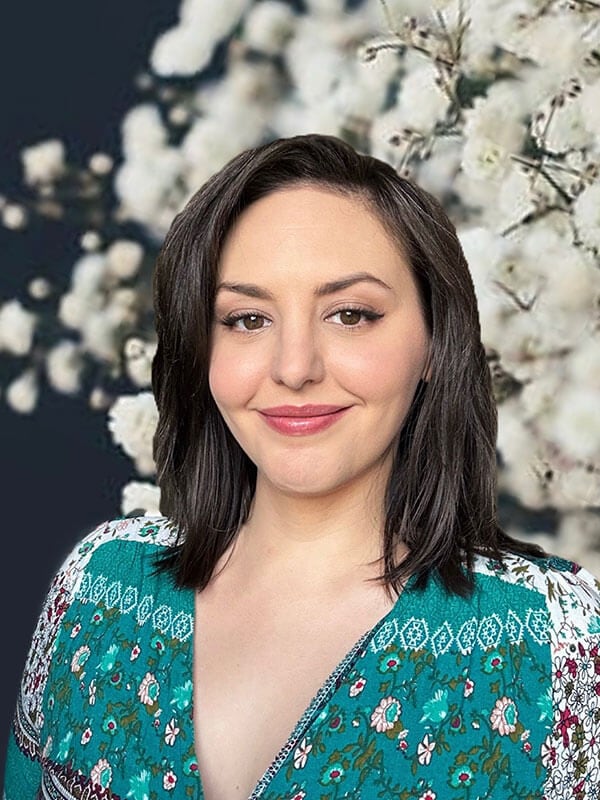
x=495, y=696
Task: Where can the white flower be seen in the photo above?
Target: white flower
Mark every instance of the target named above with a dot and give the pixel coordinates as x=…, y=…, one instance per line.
x=575, y=423
x=43, y=162
x=64, y=364
x=39, y=288
x=584, y=362
x=142, y=130
x=425, y=749
x=421, y=101
x=301, y=754
x=268, y=25
x=73, y=308
x=124, y=257
x=488, y=145
x=589, y=101
x=554, y=41
x=88, y=274
x=99, y=333
x=563, y=130
x=143, y=182
x=22, y=392
x=314, y=63
x=171, y=731
x=90, y=241
x=14, y=216
x=586, y=215
x=17, y=326
x=100, y=163
x=132, y=423
x=188, y=47
x=140, y=495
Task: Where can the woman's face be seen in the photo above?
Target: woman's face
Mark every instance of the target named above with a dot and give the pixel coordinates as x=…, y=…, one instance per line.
x=363, y=347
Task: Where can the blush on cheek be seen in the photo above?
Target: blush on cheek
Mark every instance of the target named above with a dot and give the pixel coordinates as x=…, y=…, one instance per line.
x=231, y=381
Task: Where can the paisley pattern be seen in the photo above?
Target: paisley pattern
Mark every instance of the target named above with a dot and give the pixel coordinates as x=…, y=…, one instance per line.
x=496, y=696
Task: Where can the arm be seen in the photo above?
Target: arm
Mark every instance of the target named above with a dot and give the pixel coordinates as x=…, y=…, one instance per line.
x=23, y=770
x=571, y=752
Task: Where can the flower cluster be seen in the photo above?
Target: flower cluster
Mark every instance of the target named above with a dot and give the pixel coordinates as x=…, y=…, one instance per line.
x=492, y=106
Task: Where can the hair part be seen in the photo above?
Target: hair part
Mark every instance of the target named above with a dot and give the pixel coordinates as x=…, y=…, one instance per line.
x=441, y=494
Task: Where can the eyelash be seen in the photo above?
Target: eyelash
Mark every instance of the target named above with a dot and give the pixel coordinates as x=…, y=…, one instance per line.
x=230, y=320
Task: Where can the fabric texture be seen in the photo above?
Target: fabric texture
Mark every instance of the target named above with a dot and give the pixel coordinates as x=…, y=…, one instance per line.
x=495, y=696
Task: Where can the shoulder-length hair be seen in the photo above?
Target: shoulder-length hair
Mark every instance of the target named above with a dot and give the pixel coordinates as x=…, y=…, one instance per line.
x=441, y=495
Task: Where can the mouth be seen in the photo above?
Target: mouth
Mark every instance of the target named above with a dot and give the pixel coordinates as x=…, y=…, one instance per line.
x=301, y=425
x=304, y=412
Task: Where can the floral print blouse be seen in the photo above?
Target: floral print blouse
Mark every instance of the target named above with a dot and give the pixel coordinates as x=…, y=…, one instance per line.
x=495, y=696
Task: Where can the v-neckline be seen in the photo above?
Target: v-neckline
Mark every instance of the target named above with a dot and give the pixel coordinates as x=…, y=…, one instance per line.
x=324, y=694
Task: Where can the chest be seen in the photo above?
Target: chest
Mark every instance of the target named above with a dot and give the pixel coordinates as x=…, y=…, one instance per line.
x=256, y=672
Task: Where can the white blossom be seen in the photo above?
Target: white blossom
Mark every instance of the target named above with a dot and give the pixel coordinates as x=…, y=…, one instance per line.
x=64, y=365
x=88, y=274
x=188, y=47
x=14, y=216
x=143, y=184
x=538, y=397
x=138, y=360
x=43, y=162
x=142, y=131
x=132, y=421
x=589, y=104
x=421, y=101
x=22, y=393
x=553, y=41
x=90, y=241
x=575, y=423
x=564, y=129
x=577, y=537
x=39, y=288
x=17, y=326
x=101, y=163
x=583, y=365
x=75, y=307
x=268, y=25
x=124, y=258
x=586, y=215
x=142, y=496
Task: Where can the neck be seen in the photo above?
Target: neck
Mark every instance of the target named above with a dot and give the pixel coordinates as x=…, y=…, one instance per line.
x=319, y=541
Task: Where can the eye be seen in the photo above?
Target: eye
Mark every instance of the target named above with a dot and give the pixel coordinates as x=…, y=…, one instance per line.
x=350, y=316
x=351, y=313
x=231, y=320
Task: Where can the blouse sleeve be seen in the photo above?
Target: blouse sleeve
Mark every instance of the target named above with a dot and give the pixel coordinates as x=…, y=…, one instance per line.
x=23, y=768
x=571, y=751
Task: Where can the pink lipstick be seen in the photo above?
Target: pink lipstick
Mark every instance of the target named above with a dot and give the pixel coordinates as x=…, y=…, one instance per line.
x=301, y=420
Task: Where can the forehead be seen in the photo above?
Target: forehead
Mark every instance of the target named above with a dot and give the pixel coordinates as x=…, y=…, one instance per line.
x=311, y=228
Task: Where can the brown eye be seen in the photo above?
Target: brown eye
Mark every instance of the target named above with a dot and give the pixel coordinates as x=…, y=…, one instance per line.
x=350, y=315
x=254, y=321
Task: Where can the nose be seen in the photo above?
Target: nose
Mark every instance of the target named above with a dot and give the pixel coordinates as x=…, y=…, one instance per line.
x=297, y=355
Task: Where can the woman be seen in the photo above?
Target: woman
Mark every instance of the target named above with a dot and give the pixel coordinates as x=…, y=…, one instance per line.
x=325, y=406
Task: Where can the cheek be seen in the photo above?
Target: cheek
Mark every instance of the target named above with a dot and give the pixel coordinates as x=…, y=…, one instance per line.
x=385, y=371
x=231, y=377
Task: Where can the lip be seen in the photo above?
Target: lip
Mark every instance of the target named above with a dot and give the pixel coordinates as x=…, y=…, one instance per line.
x=300, y=426
x=301, y=411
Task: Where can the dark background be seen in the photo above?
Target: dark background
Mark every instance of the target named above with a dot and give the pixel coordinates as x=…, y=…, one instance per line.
x=68, y=71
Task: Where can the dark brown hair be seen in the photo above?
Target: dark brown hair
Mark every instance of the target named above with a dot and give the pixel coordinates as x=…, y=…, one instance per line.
x=441, y=495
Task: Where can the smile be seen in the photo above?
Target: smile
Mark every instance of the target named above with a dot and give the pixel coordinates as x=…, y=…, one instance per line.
x=300, y=426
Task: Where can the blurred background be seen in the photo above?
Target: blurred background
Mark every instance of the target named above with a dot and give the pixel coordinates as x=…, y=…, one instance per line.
x=69, y=71
x=114, y=114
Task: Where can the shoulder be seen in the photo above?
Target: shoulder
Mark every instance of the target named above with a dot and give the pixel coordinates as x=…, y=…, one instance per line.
x=568, y=592
x=112, y=549
x=117, y=544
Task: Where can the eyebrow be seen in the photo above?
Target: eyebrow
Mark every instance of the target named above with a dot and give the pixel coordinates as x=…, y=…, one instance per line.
x=252, y=290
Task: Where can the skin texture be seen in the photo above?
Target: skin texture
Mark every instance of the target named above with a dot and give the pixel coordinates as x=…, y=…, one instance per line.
x=318, y=507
